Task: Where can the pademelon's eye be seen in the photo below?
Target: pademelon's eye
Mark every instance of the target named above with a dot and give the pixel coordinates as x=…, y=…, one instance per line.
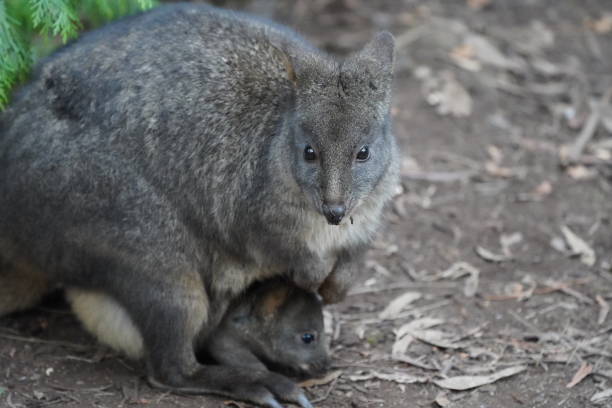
x=308, y=338
x=364, y=153
x=309, y=154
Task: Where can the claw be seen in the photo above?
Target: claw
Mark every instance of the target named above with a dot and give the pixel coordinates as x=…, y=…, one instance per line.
x=273, y=403
x=303, y=401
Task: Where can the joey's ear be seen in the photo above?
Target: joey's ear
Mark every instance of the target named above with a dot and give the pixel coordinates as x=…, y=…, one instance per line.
x=370, y=71
x=271, y=301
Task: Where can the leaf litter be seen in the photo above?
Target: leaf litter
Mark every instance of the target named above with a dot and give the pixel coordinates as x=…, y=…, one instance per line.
x=426, y=347
x=579, y=246
x=398, y=304
x=466, y=382
x=584, y=370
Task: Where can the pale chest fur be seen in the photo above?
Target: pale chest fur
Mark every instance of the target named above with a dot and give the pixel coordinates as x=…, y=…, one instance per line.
x=358, y=229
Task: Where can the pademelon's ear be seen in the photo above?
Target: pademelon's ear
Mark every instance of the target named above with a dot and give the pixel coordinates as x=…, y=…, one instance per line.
x=305, y=68
x=381, y=49
x=372, y=67
x=290, y=69
x=303, y=64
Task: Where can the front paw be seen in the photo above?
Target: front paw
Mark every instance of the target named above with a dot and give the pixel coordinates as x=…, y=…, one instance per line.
x=333, y=291
x=308, y=282
x=311, y=276
x=260, y=387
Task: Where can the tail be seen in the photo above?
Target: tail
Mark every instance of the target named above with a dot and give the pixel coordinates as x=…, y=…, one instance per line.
x=21, y=286
x=106, y=319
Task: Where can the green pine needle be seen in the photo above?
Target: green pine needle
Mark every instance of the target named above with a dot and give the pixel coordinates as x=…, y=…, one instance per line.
x=15, y=57
x=24, y=23
x=146, y=4
x=57, y=17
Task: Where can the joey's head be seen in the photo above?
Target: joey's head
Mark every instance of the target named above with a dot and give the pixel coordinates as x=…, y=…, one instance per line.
x=339, y=132
x=290, y=330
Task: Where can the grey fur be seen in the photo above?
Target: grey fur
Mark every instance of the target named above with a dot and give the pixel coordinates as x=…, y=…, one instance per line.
x=267, y=324
x=159, y=161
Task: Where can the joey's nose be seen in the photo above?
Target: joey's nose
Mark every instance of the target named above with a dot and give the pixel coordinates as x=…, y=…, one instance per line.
x=334, y=213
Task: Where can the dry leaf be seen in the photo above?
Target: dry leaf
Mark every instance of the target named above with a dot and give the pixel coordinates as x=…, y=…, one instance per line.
x=579, y=246
x=463, y=56
x=606, y=118
x=495, y=154
x=400, y=378
x=405, y=358
x=495, y=170
x=456, y=100
x=234, y=404
x=442, y=400
x=449, y=96
x=487, y=53
x=508, y=240
x=417, y=324
x=400, y=346
x=581, y=172
x=397, y=377
x=584, y=370
x=601, y=396
x=602, y=25
x=603, y=311
x=463, y=51
x=478, y=4
x=558, y=244
x=395, y=307
x=378, y=268
x=534, y=39
x=466, y=382
x=543, y=189
x=490, y=256
x=460, y=269
x=515, y=290
x=436, y=338
x=313, y=382
x=471, y=284
x=603, y=154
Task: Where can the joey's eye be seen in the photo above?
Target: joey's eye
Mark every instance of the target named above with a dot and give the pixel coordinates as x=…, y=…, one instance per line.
x=309, y=154
x=364, y=153
x=308, y=338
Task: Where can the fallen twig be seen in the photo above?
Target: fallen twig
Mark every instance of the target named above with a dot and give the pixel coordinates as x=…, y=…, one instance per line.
x=402, y=285
x=43, y=341
x=575, y=151
x=441, y=176
x=541, y=291
x=327, y=392
x=603, y=311
x=313, y=382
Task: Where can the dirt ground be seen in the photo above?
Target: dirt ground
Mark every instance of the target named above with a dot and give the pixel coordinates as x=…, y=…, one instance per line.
x=501, y=234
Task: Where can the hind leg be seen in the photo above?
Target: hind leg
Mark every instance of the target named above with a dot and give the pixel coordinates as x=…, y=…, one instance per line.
x=169, y=341
x=170, y=313
x=22, y=285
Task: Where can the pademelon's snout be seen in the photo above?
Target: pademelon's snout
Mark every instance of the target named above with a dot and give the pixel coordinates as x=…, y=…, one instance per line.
x=315, y=368
x=334, y=213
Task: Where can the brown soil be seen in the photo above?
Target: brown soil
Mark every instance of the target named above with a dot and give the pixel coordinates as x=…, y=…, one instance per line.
x=468, y=181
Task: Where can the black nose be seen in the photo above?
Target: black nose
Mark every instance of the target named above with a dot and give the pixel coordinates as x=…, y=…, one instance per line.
x=325, y=364
x=334, y=213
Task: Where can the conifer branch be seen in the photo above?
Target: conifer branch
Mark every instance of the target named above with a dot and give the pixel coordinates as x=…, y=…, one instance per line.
x=23, y=20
